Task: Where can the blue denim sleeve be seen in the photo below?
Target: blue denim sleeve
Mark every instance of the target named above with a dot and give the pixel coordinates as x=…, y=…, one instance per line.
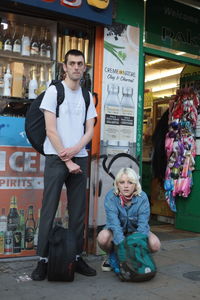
x=143, y=215
x=112, y=219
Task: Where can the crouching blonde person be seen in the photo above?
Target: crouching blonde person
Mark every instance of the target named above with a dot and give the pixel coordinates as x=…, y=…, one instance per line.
x=127, y=211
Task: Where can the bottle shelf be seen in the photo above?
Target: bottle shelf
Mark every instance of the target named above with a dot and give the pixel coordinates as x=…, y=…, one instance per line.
x=29, y=59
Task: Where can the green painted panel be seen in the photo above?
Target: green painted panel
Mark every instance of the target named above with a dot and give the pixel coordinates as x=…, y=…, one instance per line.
x=130, y=12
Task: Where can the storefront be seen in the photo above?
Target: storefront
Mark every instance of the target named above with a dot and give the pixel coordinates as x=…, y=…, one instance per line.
x=171, y=39
x=34, y=36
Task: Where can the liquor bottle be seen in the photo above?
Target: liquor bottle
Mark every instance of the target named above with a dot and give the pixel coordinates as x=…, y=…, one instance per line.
x=66, y=41
x=34, y=44
x=13, y=216
x=29, y=229
x=33, y=84
x=17, y=238
x=8, y=242
x=3, y=221
x=37, y=230
x=1, y=37
x=43, y=46
x=86, y=50
x=49, y=77
x=17, y=41
x=26, y=41
x=2, y=238
x=48, y=44
x=74, y=40
x=112, y=118
x=80, y=46
x=22, y=227
x=126, y=119
x=2, y=71
x=7, y=82
x=42, y=81
x=7, y=45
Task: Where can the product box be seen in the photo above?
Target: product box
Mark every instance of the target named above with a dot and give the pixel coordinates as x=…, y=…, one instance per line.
x=17, y=70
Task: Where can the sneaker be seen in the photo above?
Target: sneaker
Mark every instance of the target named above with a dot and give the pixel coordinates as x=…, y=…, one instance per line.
x=83, y=268
x=113, y=261
x=40, y=271
x=105, y=266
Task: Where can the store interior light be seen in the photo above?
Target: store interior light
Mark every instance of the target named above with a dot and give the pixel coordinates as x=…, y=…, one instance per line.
x=155, y=61
x=163, y=74
x=164, y=87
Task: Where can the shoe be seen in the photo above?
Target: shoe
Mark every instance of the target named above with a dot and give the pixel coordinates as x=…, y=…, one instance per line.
x=40, y=271
x=83, y=268
x=105, y=266
x=113, y=261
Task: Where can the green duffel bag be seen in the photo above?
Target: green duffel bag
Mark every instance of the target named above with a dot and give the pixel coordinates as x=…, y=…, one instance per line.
x=135, y=259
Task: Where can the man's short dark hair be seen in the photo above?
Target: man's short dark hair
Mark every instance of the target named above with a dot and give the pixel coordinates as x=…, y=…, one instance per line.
x=74, y=52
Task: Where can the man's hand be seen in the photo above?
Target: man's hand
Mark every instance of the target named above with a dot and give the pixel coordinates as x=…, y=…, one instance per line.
x=72, y=167
x=68, y=153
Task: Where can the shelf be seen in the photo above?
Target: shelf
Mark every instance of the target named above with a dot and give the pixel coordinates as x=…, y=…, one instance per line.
x=30, y=59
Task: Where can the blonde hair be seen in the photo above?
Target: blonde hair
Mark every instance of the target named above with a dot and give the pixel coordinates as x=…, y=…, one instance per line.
x=132, y=176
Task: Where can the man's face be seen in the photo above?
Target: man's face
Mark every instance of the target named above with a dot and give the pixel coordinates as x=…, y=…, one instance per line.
x=75, y=67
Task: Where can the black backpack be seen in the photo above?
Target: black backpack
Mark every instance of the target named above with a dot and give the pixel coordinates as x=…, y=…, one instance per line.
x=34, y=121
x=62, y=254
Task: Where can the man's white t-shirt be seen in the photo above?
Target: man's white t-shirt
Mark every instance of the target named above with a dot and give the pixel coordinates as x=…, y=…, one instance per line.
x=71, y=117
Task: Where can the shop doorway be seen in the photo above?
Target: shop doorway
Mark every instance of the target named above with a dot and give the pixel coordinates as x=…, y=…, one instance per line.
x=163, y=77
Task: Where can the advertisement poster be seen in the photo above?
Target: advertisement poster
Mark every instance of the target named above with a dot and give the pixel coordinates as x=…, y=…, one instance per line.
x=120, y=89
x=21, y=188
x=118, y=114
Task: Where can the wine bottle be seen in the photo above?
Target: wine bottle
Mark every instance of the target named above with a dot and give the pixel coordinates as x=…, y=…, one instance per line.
x=34, y=44
x=48, y=44
x=42, y=81
x=7, y=82
x=17, y=41
x=49, y=77
x=25, y=42
x=1, y=37
x=29, y=229
x=7, y=45
x=33, y=84
x=22, y=227
x=43, y=46
x=13, y=216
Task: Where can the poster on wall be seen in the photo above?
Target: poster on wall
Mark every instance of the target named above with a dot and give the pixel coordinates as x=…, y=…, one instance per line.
x=21, y=188
x=120, y=89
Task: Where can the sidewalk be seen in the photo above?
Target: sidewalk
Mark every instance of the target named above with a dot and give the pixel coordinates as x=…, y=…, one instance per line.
x=178, y=277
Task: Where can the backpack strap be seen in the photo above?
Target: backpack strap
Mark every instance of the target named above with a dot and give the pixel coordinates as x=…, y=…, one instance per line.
x=86, y=97
x=60, y=94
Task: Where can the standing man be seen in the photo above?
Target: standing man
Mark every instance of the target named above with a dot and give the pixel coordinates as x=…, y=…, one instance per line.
x=66, y=160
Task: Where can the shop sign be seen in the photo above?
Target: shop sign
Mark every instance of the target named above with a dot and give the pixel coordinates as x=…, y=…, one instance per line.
x=176, y=26
x=95, y=10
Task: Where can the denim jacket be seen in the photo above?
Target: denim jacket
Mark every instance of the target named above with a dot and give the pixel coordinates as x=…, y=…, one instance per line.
x=122, y=220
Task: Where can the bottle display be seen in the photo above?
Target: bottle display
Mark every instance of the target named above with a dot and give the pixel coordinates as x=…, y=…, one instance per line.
x=25, y=41
x=7, y=82
x=33, y=84
x=29, y=229
x=80, y=43
x=86, y=50
x=112, y=117
x=66, y=42
x=13, y=216
x=48, y=44
x=127, y=118
x=74, y=41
